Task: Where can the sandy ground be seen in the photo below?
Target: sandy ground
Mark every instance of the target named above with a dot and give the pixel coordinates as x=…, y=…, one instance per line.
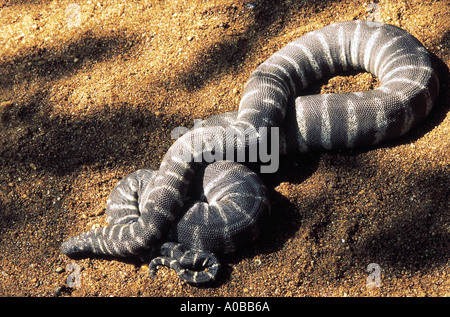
x=90, y=93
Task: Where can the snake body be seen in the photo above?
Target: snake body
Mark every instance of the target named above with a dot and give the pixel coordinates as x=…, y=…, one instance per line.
x=191, y=207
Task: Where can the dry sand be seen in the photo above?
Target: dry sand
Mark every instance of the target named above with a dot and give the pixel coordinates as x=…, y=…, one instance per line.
x=90, y=93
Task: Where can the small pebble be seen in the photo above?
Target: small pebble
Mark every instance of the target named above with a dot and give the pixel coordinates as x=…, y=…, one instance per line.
x=58, y=290
x=59, y=269
x=20, y=37
x=6, y=104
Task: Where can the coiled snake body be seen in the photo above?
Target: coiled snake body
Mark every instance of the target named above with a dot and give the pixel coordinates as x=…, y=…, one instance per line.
x=189, y=209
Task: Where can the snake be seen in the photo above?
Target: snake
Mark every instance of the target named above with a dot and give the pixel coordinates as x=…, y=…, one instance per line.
x=203, y=202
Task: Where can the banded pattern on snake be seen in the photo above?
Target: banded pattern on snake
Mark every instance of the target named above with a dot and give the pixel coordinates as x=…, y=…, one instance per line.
x=191, y=207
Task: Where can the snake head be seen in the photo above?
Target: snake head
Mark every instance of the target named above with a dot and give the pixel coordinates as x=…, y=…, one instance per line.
x=193, y=267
